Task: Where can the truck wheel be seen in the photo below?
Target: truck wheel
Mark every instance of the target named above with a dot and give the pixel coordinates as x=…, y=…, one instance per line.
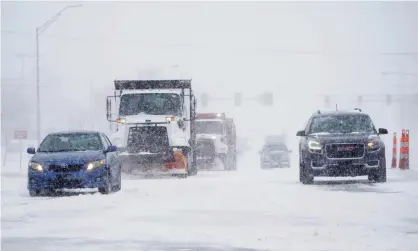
x=224, y=160
x=234, y=163
x=191, y=165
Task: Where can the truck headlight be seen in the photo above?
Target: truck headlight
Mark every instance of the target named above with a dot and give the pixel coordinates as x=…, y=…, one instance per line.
x=314, y=146
x=95, y=164
x=373, y=145
x=169, y=119
x=36, y=166
x=121, y=121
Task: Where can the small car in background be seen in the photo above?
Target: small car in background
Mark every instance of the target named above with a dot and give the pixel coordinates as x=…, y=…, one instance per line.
x=274, y=155
x=73, y=160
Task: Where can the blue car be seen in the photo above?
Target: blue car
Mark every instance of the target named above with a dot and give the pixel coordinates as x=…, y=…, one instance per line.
x=76, y=159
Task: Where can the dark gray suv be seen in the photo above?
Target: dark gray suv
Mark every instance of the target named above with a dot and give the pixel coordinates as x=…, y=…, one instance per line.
x=341, y=144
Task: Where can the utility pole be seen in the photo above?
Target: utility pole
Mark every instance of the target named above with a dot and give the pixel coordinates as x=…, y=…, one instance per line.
x=92, y=118
x=39, y=31
x=38, y=98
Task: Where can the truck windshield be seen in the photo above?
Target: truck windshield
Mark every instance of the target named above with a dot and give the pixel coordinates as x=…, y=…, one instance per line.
x=150, y=103
x=342, y=124
x=209, y=127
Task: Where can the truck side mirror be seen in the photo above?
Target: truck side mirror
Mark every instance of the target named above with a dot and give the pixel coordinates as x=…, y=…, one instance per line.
x=180, y=123
x=108, y=109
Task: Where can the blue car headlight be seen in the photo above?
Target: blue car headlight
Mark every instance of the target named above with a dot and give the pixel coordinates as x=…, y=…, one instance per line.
x=90, y=166
x=36, y=166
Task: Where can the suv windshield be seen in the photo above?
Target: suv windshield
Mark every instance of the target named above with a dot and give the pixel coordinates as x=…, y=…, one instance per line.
x=342, y=124
x=150, y=103
x=71, y=142
x=209, y=127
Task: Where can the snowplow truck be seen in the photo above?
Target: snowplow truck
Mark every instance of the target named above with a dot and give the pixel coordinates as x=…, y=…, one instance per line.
x=151, y=121
x=215, y=139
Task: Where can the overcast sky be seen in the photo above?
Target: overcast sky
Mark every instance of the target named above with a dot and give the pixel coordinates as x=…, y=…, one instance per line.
x=224, y=47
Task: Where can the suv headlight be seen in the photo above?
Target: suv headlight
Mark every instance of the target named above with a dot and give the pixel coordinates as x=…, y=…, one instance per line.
x=95, y=164
x=373, y=145
x=36, y=166
x=314, y=146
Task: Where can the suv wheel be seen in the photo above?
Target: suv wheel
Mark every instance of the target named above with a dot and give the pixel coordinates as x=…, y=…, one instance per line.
x=305, y=176
x=380, y=175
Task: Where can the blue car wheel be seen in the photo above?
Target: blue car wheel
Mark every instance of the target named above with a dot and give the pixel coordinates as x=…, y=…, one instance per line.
x=118, y=186
x=34, y=193
x=108, y=184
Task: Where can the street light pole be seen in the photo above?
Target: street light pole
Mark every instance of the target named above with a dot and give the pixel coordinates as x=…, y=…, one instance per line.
x=38, y=99
x=39, y=31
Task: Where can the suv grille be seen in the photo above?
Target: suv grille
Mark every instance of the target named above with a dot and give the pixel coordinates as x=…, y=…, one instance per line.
x=68, y=169
x=339, y=151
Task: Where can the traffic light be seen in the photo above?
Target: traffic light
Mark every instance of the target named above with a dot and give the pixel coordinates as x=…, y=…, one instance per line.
x=388, y=99
x=205, y=99
x=266, y=98
x=360, y=100
x=238, y=99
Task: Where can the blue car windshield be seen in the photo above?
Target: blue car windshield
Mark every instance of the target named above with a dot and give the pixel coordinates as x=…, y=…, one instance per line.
x=71, y=142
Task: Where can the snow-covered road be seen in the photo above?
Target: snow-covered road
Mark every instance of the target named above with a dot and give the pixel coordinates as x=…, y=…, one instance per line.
x=251, y=208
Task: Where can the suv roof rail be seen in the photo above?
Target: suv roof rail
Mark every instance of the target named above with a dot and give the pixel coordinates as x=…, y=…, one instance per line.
x=357, y=109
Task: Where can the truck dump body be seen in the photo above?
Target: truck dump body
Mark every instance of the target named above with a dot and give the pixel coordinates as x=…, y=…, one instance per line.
x=152, y=84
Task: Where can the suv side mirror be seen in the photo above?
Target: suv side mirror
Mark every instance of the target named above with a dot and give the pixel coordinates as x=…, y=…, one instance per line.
x=300, y=133
x=383, y=131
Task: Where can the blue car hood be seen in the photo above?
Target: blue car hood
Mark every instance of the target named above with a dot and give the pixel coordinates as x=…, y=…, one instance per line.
x=70, y=158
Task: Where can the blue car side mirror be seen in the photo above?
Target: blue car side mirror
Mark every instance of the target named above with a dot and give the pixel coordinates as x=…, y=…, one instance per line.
x=31, y=150
x=112, y=149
